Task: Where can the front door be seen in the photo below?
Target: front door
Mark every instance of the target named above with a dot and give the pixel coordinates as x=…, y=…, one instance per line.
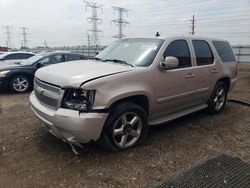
x=176, y=88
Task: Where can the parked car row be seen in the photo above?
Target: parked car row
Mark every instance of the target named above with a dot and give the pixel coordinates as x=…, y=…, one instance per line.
x=18, y=76
x=131, y=85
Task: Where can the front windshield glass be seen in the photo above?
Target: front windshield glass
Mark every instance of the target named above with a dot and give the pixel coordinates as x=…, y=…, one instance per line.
x=138, y=52
x=31, y=60
x=2, y=55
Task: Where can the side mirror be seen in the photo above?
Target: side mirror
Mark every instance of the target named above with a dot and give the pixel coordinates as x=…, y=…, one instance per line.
x=39, y=65
x=169, y=63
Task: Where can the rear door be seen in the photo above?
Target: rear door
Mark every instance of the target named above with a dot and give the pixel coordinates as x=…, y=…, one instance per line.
x=206, y=69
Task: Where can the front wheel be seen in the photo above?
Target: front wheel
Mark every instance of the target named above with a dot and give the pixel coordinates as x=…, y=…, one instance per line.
x=218, y=98
x=20, y=84
x=125, y=127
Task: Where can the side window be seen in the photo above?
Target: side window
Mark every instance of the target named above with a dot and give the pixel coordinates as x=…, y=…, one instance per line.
x=51, y=60
x=25, y=56
x=71, y=57
x=11, y=56
x=225, y=51
x=180, y=50
x=203, y=53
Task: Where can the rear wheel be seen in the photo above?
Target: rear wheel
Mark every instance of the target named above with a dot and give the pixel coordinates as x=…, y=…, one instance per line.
x=218, y=98
x=20, y=84
x=125, y=127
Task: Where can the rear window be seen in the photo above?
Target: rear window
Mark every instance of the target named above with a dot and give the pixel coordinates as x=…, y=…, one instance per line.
x=225, y=51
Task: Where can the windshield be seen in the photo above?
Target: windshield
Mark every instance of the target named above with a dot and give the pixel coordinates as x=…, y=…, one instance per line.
x=31, y=60
x=2, y=55
x=138, y=52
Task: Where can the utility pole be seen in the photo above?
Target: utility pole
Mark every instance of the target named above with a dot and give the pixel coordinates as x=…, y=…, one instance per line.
x=88, y=40
x=24, y=34
x=45, y=44
x=120, y=21
x=193, y=25
x=95, y=20
x=8, y=37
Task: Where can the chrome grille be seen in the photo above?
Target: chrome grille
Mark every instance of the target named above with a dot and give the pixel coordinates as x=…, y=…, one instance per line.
x=47, y=86
x=48, y=94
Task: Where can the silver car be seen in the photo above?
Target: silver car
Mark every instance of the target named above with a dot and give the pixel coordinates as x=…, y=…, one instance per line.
x=14, y=57
x=133, y=84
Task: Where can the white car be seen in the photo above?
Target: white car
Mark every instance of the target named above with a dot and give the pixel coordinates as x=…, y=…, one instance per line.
x=14, y=56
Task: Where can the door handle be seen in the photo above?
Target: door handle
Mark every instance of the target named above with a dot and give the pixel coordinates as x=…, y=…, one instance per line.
x=190, y=75
x=214, y=71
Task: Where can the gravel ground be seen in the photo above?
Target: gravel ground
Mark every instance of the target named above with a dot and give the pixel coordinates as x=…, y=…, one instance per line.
x=31, y=157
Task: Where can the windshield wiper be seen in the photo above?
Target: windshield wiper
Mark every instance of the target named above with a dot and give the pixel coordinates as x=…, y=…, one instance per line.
x=119, y=61
x=98, y=59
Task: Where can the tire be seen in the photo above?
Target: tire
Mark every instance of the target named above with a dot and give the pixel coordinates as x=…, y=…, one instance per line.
x=20, y=84
x=125, y=127
x=218, y=98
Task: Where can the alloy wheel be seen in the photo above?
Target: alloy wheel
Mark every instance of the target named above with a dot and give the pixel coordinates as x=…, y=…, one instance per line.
x=220, y=98
x=20, y=84
x=127, y=130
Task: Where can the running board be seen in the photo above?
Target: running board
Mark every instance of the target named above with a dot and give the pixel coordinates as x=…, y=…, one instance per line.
x=177, y=115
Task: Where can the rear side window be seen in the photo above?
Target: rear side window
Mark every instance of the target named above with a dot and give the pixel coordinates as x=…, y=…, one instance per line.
x=225, y=51
x=12, y=56
x=203, y=52
x=180, y=50
x=25, y=56
x=72, y=57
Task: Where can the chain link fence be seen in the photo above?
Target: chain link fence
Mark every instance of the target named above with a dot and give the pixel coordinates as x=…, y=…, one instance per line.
x=242, y=53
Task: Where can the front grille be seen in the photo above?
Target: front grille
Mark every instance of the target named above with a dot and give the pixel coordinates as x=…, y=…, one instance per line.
x=46, y=100
x=47, y=94
x=47, y=86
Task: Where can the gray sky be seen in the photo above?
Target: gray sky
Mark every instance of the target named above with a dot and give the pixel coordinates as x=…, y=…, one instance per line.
x=64, y=23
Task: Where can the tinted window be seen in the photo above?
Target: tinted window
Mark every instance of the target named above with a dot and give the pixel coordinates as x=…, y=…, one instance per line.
x=180, y=50
x=224, y=50
x=72, y=57
x=12, y=56
x=24, y=56
x=51, y=60
x=203, y=53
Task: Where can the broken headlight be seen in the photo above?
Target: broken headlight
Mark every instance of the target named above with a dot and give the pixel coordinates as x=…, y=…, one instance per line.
x=78, y=99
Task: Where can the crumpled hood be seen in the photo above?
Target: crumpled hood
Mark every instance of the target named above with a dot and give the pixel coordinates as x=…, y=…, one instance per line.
x=73, y=74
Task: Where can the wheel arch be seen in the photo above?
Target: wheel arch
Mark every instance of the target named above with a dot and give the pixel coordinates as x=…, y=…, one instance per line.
x=225, y=80
x=140, y=100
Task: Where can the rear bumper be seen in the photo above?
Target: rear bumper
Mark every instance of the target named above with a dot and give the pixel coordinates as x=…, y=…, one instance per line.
x=69, y=125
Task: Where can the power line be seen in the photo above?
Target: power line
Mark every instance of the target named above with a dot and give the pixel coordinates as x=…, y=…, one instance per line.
x=192, y=25
x=24, y=33
x=120, y=22
x=8, y=36
x=95, y=20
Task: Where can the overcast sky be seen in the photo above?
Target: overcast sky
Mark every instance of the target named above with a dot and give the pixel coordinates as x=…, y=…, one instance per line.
x=64, y=23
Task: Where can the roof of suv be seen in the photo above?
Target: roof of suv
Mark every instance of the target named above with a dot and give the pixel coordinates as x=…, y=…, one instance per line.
x=183, y=37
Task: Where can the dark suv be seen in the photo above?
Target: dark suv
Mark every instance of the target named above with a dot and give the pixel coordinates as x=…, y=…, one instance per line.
x=18, y=77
